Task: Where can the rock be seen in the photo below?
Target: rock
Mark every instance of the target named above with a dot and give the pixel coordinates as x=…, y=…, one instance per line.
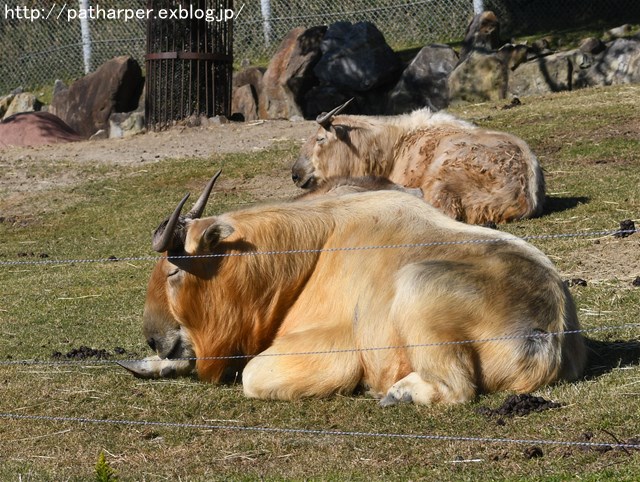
x=622, y=31
x=249, y=76
x=424, y=81
x=100, y=135
x=482, y=33
x=543, y=75
x=218, y=119
x=592, y=46
x=480, y=77
x=540, y=48
x=5, y=102
x=88, y=103
x=23, y=102
x=244, y=101
x=325, y=97
x=58, y=87
x=126, y=124
x=290, y=74
x=618, y=64
x=356, y=57
x=35, y=129
x=192, y=121
x=513, y=55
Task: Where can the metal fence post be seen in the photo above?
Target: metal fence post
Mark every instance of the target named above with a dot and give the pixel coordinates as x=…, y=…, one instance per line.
x=86, y=36
x=265, y=7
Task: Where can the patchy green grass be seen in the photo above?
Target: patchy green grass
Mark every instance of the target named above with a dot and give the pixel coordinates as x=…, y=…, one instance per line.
x=588, y=144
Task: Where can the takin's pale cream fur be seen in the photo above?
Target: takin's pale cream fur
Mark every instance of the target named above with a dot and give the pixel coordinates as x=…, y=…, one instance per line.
x=388, y=319
x=471, y=174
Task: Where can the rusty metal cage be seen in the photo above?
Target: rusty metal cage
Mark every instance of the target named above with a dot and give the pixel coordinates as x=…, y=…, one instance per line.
x=189, y=60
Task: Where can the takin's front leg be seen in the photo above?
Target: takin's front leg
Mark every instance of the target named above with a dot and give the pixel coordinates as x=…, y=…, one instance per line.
x=316, y=362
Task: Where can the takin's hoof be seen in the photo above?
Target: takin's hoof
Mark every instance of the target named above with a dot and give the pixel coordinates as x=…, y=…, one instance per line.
x=390, y=399
x=156, y=367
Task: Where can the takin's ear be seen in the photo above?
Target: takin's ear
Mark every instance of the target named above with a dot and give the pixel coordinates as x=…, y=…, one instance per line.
x=205, y=234
x=216, y=233
x=341, y=132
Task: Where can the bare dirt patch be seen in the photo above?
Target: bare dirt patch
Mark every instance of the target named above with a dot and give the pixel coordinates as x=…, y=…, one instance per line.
x=178, y=142
x=604, y=260
x=28, y=170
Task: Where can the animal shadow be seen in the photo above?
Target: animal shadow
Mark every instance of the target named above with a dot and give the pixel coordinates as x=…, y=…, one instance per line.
x=604, y=356
x=556, y=204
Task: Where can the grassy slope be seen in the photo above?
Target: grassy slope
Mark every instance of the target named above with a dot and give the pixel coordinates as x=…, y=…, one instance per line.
x=589, y=143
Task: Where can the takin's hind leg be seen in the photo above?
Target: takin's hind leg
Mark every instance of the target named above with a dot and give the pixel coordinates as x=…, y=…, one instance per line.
x=448, y=376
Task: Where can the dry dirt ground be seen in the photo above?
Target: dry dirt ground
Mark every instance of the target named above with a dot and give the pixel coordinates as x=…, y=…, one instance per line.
x=20, y=166
x=21, y=171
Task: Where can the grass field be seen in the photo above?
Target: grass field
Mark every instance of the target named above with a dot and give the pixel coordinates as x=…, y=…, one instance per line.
x=589, y=144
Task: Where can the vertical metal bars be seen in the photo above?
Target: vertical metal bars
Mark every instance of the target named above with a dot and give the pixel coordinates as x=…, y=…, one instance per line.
x=189, y=60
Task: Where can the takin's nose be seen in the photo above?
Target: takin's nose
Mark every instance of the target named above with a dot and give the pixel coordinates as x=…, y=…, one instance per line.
x=295, y=177
x=152, y=343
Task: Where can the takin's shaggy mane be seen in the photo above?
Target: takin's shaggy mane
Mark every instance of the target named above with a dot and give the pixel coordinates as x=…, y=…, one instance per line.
x=345, y=306
x=472, y=174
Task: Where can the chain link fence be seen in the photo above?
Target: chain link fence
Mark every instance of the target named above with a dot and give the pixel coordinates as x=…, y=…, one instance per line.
x=42, y=40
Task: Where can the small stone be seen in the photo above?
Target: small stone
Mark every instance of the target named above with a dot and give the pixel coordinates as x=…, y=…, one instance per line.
x=576, y=282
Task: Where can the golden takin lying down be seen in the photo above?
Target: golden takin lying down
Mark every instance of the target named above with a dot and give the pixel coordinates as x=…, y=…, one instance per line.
x=471, y=174
x=328, y=294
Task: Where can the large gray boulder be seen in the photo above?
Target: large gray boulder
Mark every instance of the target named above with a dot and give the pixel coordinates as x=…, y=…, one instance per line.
x=482, y=76
x=290, y=74
x=553, y=73
x=88, y=103
x=356, y=57
x=618, y=64
x=424, y=82
x=324, y=97
x=482, y=33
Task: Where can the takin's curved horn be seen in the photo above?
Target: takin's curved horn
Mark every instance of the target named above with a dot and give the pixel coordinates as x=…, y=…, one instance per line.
x=198, y=207
x=324, y=119
x=163, y=237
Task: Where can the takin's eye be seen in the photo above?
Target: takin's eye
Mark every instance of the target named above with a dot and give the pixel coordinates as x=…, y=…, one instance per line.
x=320, y=139
x=173, y=271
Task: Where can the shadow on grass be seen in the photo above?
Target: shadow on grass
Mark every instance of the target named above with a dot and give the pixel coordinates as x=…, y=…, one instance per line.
x=604, y=356
x=556, y=204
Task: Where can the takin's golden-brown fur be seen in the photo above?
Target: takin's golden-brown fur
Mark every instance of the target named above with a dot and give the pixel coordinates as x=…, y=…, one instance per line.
x=472, y=174
x=395, y=320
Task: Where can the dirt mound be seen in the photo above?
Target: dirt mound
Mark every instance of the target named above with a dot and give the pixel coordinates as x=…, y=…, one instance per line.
x=519, y=405
x=84, y=353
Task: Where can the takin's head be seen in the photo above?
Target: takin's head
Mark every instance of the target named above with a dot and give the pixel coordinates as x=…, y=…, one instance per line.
x=164, y=334
x=312, y=168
